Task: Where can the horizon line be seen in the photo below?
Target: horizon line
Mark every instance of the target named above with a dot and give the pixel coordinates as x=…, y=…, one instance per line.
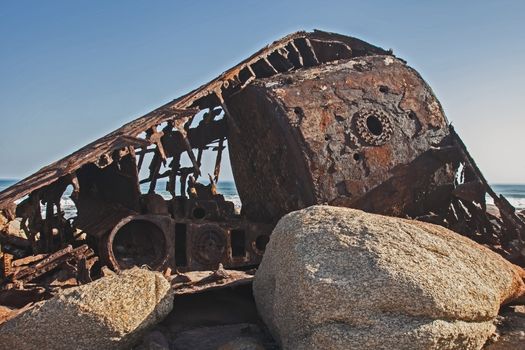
x=232, y=180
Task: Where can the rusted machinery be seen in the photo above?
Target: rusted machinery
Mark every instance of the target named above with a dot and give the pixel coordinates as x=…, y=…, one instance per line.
x=312, y=118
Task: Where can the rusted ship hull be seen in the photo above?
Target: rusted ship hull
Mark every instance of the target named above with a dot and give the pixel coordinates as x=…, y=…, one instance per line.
x=312, y=118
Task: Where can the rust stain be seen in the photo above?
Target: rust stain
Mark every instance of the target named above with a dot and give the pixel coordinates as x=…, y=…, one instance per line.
x=378, y=157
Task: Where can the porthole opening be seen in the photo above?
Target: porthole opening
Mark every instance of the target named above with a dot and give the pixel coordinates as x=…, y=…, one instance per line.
x=137, y=243
x=199, y=213
x=374, y=125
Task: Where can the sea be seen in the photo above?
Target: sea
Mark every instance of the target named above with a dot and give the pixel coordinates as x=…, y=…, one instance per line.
x=226, y=188
x=513, y=192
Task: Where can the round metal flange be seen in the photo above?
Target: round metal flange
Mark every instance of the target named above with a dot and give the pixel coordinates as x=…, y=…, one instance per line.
x=136, y=247
x=209, y=245
x=373, y=126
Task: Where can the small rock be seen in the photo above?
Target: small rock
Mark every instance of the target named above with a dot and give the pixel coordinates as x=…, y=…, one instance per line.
x=106, y=271
x=14, y=228
x=205, y=338
x=155, y=340
x=243, y=343
x=110, y=313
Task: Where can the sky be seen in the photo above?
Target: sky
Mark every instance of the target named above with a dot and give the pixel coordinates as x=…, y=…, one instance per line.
x=72, y=71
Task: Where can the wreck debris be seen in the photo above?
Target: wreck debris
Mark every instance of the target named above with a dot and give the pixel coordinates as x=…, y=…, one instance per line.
x=50, y=262
x=312, y=118
x=198, y=281
x=22, y=280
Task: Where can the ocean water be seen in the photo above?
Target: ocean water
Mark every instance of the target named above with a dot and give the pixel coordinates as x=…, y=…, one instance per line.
x=514, y=193
x=226, y=188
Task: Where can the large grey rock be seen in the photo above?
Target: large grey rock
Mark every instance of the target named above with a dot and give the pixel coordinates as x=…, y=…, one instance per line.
x=338, y=278
x=110, y=313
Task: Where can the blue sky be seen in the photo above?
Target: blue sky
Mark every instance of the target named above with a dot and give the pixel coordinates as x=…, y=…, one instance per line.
x=71, y=71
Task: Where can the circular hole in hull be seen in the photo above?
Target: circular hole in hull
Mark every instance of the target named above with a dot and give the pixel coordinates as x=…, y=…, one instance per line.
x=374, y=125
x=137, y=243
x=199, y=213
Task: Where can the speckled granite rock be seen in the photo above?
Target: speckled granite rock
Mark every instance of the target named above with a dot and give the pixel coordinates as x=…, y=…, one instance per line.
x=338, y=278
x=110, y=313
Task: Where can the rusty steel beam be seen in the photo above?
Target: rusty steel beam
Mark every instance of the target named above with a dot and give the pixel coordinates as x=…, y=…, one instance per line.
x=119, y=139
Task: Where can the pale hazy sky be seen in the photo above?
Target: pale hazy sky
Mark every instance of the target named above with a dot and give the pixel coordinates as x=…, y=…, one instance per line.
x=72, y=71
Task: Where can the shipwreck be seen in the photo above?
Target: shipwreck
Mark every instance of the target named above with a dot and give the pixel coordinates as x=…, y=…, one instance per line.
x=312, y=118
